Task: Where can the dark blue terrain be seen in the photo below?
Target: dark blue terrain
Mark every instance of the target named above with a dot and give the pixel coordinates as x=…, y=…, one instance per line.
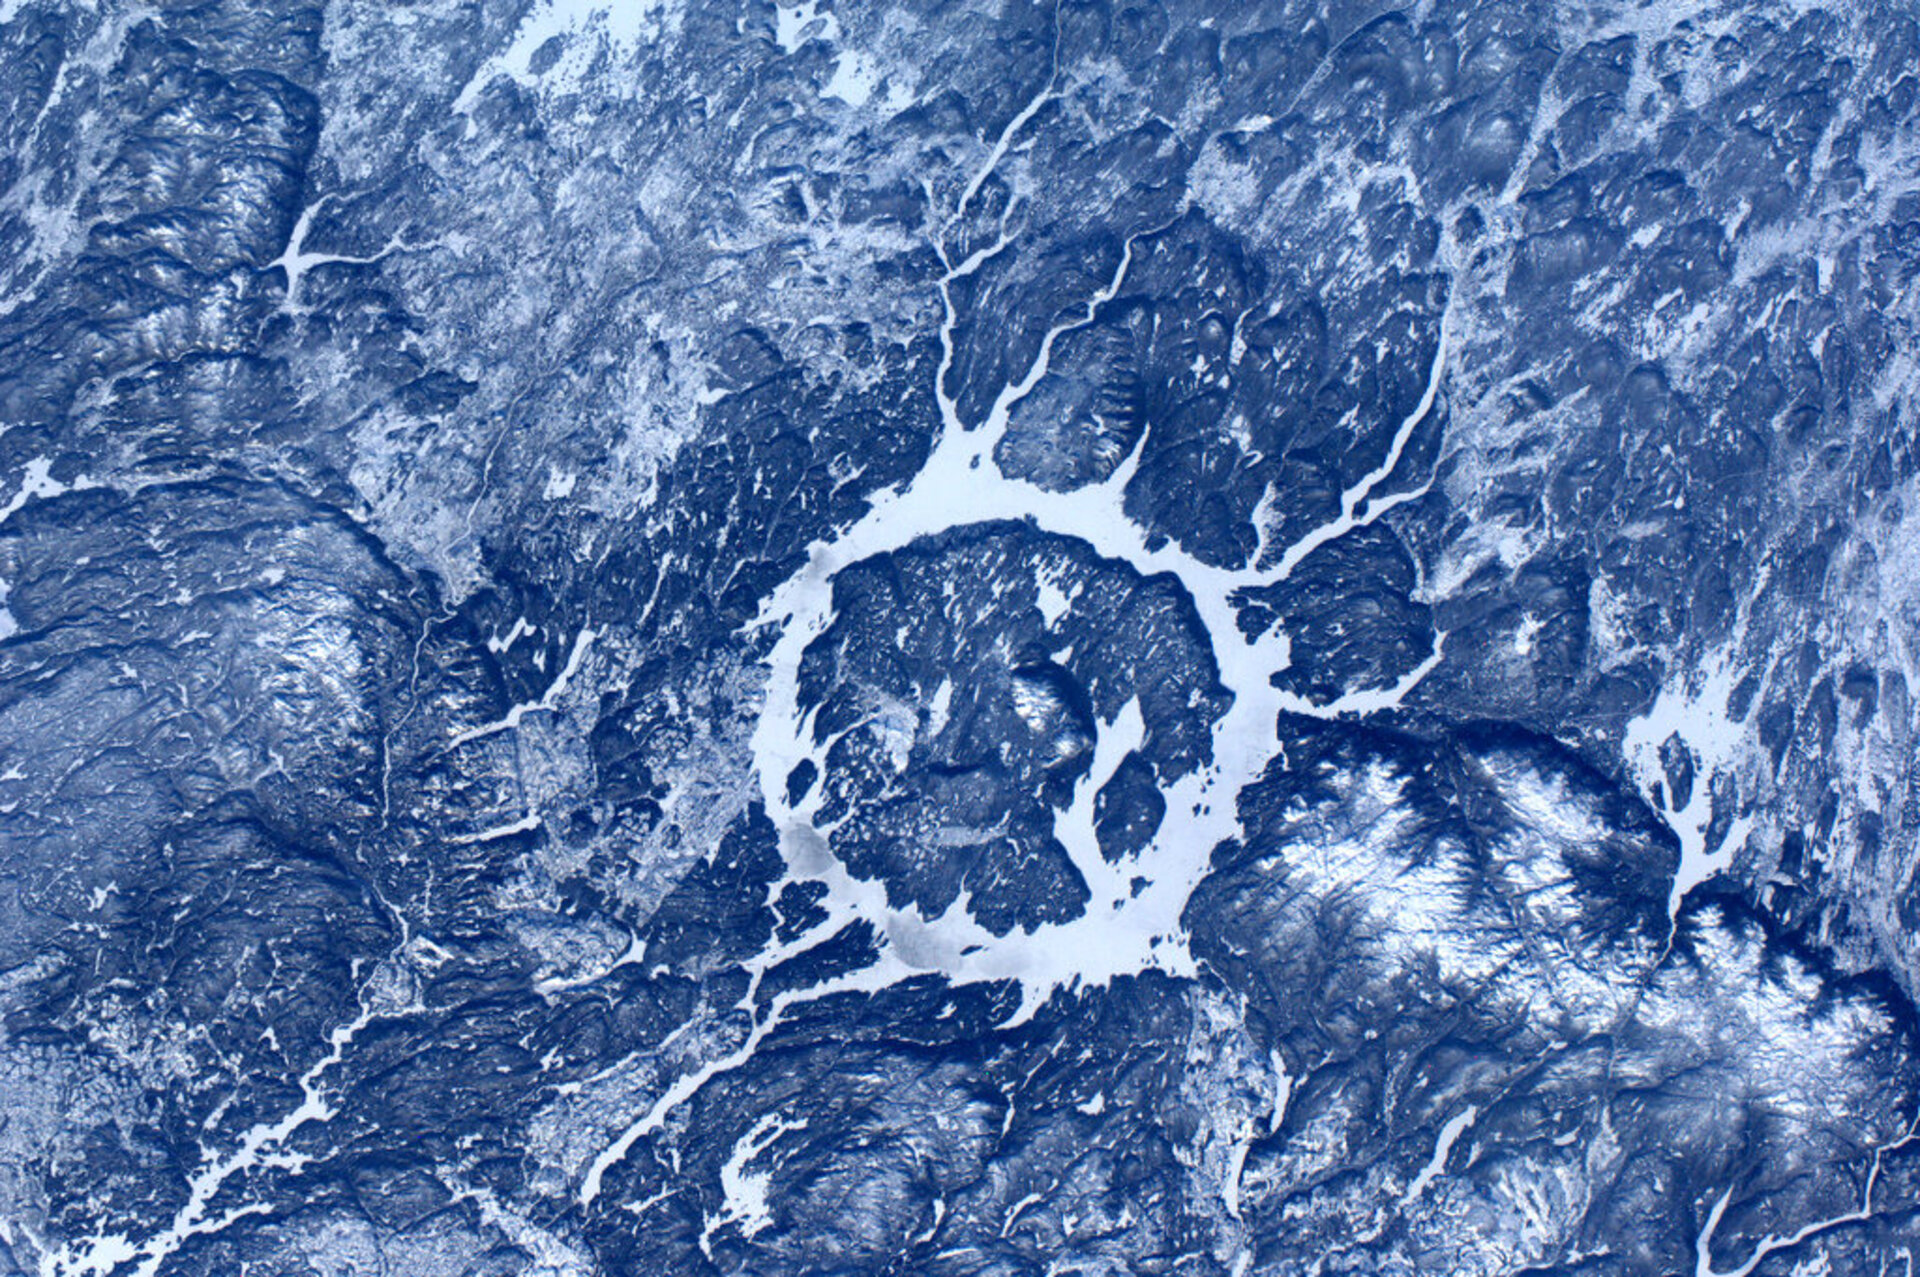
x=969, y=640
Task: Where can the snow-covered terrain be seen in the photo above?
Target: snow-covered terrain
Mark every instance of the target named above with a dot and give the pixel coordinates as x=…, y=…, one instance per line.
x=959, y=639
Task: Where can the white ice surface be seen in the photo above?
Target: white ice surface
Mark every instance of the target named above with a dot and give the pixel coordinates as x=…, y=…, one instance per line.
x=745, y=1192
x=295, y=261
x=108, y=1253
x=1450, y=1134
x=1693, y=706
x=587, y=26
x=795, y=24
x=854, y=79
x=548, y=701
x=1703, y=1244
x=38, y=481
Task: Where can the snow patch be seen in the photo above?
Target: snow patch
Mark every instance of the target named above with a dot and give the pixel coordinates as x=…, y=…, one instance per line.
x=1052, y=600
